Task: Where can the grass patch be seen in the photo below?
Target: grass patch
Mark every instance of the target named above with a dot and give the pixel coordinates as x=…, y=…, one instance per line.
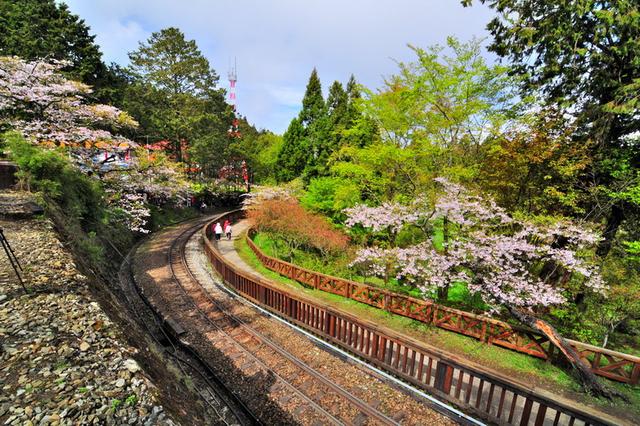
x=459, y=295
x=523, y=367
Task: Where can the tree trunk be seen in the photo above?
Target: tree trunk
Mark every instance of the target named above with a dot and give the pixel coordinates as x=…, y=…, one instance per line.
x=614, y=220
x=589, y=381
x=443, y=292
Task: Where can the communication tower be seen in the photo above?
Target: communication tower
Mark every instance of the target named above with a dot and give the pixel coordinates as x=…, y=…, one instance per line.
x=233, y=78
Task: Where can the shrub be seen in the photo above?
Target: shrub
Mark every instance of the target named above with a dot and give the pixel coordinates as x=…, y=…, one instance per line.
x=50, y=172
x=330, y=196
x=297, y=227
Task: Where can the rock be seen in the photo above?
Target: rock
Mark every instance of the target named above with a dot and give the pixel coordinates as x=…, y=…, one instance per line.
x=65, y=360
x=131, y=365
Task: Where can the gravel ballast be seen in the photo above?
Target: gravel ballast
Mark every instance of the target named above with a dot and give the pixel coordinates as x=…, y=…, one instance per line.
x=62, y=361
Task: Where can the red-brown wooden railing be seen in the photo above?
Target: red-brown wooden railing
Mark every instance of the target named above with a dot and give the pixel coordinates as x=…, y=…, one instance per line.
x=613, y=365
x=477, y=390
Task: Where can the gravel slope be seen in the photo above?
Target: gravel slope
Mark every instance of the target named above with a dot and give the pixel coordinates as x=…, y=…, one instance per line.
x=62, y=361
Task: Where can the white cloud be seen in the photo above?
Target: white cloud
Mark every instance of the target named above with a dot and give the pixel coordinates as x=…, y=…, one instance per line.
x=278, y=42
x=115, y=35
x=286, y=96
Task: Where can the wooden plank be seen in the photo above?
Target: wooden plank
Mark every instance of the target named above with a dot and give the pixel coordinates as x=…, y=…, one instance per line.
x=526, y=412
x=467, y=395
x=404, y=359
x=459, y=384
x=479, y=394
x=542, y=413
x=413, y=364
x=490, y=398
x=501, y=403
x=513, y=408
x=428, y=378
x=420, y=366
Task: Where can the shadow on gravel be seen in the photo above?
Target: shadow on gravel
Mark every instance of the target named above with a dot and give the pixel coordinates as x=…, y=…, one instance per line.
x=254, y=390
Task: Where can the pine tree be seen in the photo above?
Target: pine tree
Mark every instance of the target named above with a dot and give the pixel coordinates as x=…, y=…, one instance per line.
x=173, y=64
x=353, y=95
x=175, y=94
x=292, y=158
x=337, y=103
x=359, y=130
x=325, y=134
x=313, y=106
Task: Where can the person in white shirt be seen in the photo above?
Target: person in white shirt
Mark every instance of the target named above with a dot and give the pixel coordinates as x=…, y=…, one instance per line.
x=218, y=231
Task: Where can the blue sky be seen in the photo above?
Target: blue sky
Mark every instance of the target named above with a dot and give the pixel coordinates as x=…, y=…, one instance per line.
x=277, y=43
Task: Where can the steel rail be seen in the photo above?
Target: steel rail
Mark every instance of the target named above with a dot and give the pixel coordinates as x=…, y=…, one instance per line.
x=442, y=408
x=357, y=402
x=216, y=388
x=233, y=341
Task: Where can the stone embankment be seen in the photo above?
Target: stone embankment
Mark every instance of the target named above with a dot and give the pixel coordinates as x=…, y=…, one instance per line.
x=62, y=361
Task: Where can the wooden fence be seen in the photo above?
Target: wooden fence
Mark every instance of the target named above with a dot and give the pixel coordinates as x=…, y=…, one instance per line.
x=613, y=365
x=479, y=391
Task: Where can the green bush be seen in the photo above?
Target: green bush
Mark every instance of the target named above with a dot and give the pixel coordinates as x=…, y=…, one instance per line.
x=51, y=173
x=330, y=196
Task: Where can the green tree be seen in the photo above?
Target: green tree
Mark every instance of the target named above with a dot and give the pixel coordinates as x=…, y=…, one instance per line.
x=269, y=145
x=304, y=143
x=313, y=106
x=175, y=95
x=173, y=64
x=359, y=130
x=36, y=29
x=582, y=55
x=337, y=104
x=535, y=166
x=353, y=96
x=292, y=158
x=330, y=196
x=432, y=119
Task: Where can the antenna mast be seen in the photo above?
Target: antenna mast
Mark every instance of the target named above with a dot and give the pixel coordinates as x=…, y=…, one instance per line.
x=233, y=78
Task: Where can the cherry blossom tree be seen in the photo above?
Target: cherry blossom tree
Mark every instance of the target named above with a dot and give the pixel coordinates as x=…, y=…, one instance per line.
x=47, y=108
x=134, y=212
x=511, y=263
x=51, y=110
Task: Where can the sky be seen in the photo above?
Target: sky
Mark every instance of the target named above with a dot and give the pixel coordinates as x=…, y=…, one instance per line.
x=276, y=43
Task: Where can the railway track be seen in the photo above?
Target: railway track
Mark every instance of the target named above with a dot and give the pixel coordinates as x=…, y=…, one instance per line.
x=306, y=392
x=226, y=407
x=228, y=327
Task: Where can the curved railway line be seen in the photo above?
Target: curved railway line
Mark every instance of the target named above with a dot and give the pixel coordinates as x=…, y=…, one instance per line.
x=297, y=392
x=228, y=408
x=246, y=342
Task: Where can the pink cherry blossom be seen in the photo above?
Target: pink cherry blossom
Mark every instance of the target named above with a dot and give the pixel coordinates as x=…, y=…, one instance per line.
x=491, y=251
x=47, y=107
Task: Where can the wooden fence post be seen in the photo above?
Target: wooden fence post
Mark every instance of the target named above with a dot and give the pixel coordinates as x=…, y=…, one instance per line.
x=444, y=375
